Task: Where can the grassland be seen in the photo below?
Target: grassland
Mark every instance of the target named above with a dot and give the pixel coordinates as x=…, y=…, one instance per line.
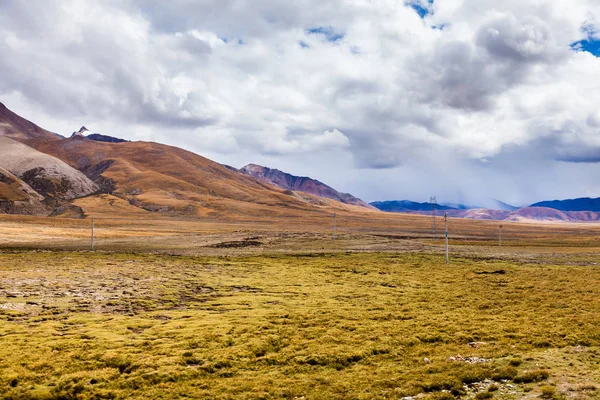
x=278, y=309
x=77, y=325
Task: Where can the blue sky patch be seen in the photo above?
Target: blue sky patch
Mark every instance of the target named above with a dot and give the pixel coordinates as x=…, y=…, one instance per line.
x=590, y=45
x=327, y=31
x=422, y=11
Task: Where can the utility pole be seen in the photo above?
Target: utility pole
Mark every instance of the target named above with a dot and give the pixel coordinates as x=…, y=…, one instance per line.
x=433, y=203
x=334, y=226
x=446, y=224
x=500, y=237
x=92, y=233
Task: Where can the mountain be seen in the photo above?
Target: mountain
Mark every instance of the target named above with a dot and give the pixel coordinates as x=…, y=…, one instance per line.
x=480, y=213
x=500, y=205
x=459, y=206
x=407, y=206
x=18, y=128
x=104, y=138
x=47, y=175
x=137, y=178
x=503, y=212
x=521, y=214
x=580, y=204
x=173, y=181
x=80, y=133
x=17, y=197
x=301, y=184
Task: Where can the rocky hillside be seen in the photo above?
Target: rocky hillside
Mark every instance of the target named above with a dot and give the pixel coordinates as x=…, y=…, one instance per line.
x=17, y=197
x=301, y=183
x=47, y=175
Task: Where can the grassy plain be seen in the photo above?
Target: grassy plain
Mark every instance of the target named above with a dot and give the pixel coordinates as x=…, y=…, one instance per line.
x=178, y=309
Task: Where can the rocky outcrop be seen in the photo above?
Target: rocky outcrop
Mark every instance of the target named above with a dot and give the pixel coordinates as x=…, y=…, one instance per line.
x=80, y=133
x=17, y=197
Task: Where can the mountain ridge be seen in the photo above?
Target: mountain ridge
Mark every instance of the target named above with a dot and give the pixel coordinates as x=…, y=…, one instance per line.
x=577, y=204
x=304, y=184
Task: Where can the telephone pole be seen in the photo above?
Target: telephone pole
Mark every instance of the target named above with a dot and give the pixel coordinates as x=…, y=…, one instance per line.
x=334, y=226
x=446, y=224
x=433, y=203
x=92, y=233
x=500, y=237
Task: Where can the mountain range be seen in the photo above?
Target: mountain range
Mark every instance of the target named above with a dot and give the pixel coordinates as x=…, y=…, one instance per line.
x=44, y=173
x=301, y=183
x=573, y=210
x=141, y=177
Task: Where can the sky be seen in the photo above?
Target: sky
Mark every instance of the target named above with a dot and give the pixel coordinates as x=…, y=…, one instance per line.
x=465, y=100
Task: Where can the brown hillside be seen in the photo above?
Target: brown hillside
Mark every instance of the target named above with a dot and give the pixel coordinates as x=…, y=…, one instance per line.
x=159, y=178
x=16, y=127
x=171, y=180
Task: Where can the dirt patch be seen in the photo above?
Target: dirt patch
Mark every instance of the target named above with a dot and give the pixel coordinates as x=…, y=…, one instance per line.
x=497, y=272
x=248, y=242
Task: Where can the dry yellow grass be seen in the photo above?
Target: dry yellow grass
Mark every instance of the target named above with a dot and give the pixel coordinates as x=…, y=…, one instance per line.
x=275, y=308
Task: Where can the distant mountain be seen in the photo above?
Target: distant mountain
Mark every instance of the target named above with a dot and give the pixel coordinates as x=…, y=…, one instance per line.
x=459, y=206
x=520, y=214
x=407, y=206
x=509, y=213
x=301, y=184
x=580, y=204
x=105, y=138
x=81, y=134
x=500, y=205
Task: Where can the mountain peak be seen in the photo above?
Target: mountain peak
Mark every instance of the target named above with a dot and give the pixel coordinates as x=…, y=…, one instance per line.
x=250, y=168
x=80, y=132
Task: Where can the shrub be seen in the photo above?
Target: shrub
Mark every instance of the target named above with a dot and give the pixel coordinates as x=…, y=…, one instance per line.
x=548, y=392
x=531, y=376
x=506, y=373
x=515, y=362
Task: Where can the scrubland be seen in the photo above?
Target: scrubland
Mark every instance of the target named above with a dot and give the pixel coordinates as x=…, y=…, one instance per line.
x=299, y=316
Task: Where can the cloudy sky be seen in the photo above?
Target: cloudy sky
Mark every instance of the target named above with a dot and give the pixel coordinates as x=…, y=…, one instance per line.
x=466, y=100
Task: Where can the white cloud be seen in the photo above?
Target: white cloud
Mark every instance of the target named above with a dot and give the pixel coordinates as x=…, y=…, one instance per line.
x=494, y=81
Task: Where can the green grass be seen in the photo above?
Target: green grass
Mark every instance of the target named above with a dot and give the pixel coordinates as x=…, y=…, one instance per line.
x=358, y=326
